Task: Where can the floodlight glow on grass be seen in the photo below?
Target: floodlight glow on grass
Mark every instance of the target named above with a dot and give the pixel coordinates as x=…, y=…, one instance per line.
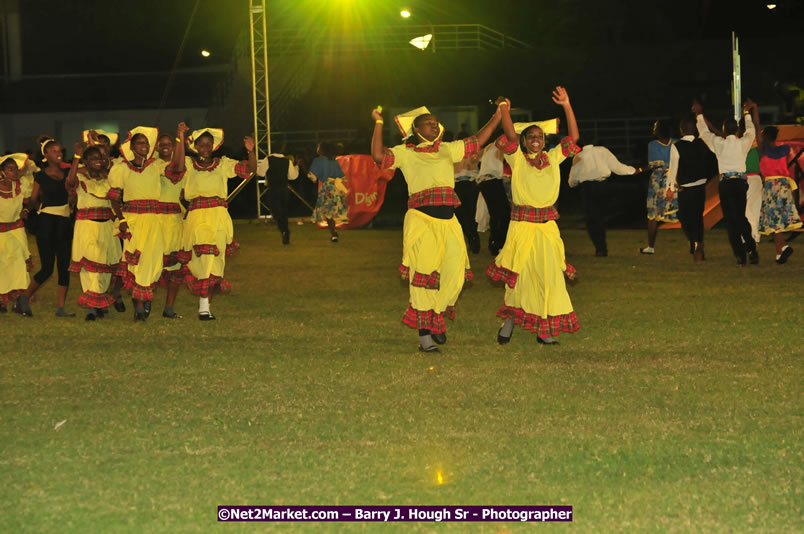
x=205, y=53
x=422, y=42
x=404, y=13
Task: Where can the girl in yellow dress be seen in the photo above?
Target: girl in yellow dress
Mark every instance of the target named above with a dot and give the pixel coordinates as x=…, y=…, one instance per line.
x=137, y=179
x=15, y=259
x=208, y=236
x=96, y=251
x=531, y=263
x=170, y=213
x=434, y=259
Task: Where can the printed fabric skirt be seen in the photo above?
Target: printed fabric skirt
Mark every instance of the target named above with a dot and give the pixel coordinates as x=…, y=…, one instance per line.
x=331, y=201
x=15, y=264
x=779, y=213
x=96, y=257
x=141, y=265
x=207, y=240
x=436, y=266
x=532, y=265
x=659, y=208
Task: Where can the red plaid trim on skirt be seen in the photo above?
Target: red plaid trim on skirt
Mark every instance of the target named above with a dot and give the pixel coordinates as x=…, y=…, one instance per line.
x=232, y=248
x=549, y=327
x=92, y=266
x=94, y=214
x=7, y=227
x=142, y=206
x=169, y=260
x=387, y=159
x=137, y=291
x=428, y=320
x=90, y=299
x=206, y=249
x=534, y=215
x=435, y=196
x=133, y=258
x=570, y=272
x=115, y=193
x=168, y=208
x=199, y=203
x=175, y=277
x=11, y=296
x=497, y=273
x=207, y=286
x=506, y=146
x=431, y=281
x=184, y=256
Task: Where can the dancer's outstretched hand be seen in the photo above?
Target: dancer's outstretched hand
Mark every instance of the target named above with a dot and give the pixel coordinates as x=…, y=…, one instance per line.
x=376, y=114
x=560, y=96
x=248, y=142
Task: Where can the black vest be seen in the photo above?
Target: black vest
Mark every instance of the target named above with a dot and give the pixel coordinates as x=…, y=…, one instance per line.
x=277, y=169
x=695, y=161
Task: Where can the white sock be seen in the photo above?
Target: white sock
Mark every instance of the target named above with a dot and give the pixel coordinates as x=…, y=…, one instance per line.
x=203, y=305
x=648, y=249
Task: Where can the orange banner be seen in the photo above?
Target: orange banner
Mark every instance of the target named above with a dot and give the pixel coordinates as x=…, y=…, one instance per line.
x=366, y=184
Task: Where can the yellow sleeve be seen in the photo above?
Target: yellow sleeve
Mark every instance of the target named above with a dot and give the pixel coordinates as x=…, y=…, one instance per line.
x=227, y=167
x=116, y=175
x=457, y=150
x=400, y=153
x=556, y=155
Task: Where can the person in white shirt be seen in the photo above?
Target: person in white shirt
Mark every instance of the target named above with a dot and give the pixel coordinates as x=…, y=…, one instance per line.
x=691, y=166
x=589, y=170
x=490, y=181
x=279, y=169
x=731, y=153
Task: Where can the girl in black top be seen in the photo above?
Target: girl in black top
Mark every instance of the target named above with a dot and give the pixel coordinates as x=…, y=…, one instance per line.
x=54, y=236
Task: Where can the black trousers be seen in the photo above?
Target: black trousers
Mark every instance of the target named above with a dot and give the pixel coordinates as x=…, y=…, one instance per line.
x=54, y=239
x=594, y=195
x=467, y=192
x=691, y=202
x=732, y=200
x=278, y=200
x=499, y=212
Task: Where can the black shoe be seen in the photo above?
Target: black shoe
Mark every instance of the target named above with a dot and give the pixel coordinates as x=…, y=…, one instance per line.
x=90, y=317
x=543, y=342
x=28, y=313
x=741, y=261
x=101, y=312
x=3, y=309
x=119, y=305
x=206, y=316
x=601, y=253
x=140, y=316
x=753, y=257
x=431, y=348
x=692, y=247
x=286, y=238
x=439, y=338
x=147, y=306
x=174, y=315
x=786, y=253
x=502, y=340
x=474, y=244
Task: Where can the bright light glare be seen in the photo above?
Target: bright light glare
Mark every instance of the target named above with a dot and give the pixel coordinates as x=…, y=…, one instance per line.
x=404, y=13
x=771, y=6
x=421, y=42
x=205, y=53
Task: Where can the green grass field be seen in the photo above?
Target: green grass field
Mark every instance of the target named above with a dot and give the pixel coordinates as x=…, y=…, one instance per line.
x=676, y=407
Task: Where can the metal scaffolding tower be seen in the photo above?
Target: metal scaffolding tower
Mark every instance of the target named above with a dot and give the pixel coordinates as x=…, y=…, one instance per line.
x=262, y=111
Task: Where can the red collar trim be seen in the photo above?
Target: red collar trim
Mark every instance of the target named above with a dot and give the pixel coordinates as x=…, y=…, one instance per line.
x=139, y=169
x=541, y=161
x=16, y=191
x=215, y=162
x=426, y=148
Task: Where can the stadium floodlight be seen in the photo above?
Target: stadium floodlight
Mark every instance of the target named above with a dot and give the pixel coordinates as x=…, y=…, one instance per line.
x=405, y=13
x=422, y=42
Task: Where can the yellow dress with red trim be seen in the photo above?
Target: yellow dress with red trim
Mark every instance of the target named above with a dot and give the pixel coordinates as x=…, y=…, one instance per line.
x=532, y=262
x=172, y=218
x=15, y=258
x=143, y=254
x=96, y=250
x=434, y=258
x=208, y=236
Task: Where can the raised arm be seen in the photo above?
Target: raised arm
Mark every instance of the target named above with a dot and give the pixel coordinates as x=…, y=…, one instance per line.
x=750, y=131
x=251, y=163
x=485, y=132
x=377, y=148
x=178, y=149
x=72, y=175
x=561, y=98
x=504, y=107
